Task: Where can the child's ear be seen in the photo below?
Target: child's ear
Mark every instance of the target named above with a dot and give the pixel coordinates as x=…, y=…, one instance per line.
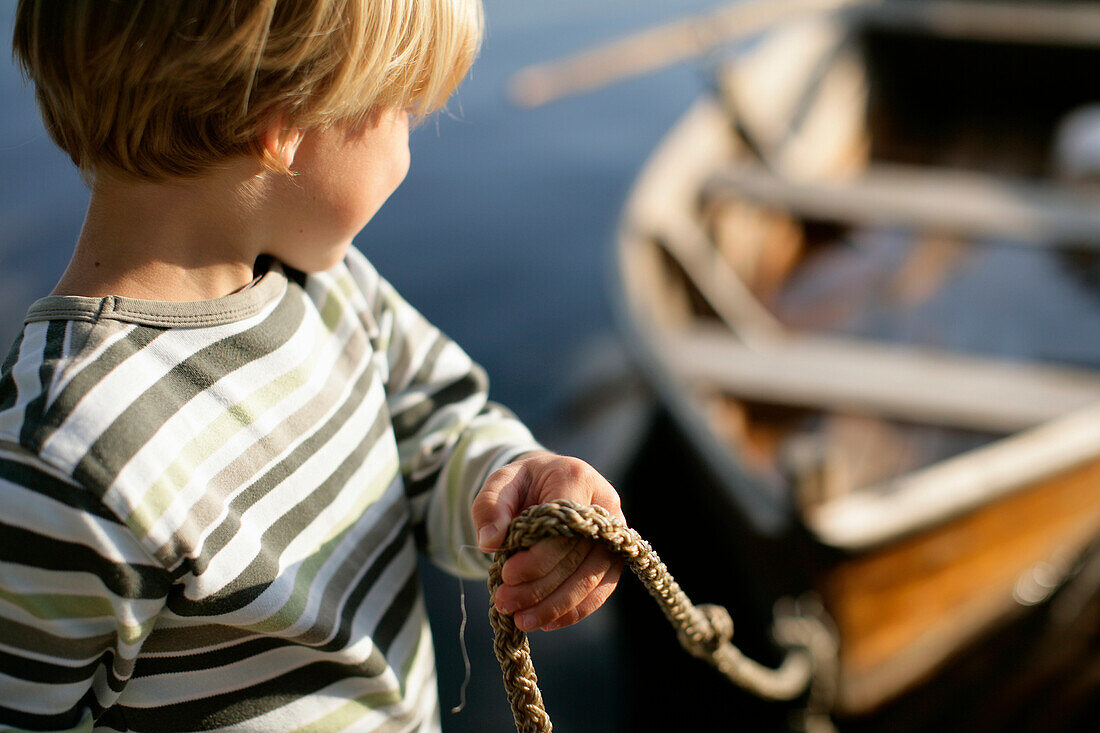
x=280, y=142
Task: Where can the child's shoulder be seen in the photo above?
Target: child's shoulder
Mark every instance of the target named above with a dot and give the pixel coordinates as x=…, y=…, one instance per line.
x=40, y=361
x=64, y=350
x=89, y=358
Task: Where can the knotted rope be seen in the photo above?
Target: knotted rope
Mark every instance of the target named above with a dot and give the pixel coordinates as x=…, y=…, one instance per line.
x=705, y=631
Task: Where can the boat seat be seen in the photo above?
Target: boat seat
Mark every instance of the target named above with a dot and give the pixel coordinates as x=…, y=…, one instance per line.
x=920, y=385
x=950, y=201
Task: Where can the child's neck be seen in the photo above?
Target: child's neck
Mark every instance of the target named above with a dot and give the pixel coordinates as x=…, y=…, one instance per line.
x=179, y=240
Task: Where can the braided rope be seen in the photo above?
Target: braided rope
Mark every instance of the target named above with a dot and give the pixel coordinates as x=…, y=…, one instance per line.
x=705, y=631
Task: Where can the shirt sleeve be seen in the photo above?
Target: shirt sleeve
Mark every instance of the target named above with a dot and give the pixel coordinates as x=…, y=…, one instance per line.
x=78, y=597
x=450, y=437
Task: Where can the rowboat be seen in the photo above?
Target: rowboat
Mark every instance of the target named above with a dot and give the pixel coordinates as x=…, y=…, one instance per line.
x=863, y=278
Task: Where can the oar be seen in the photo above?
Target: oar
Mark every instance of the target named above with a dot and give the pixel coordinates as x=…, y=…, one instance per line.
x=659, y=47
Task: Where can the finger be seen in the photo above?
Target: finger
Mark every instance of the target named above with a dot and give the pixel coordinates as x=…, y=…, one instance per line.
x=581, y=595
x=534, y=574
x=500, y=499
x=570, y=594
x=556, y=555
x=591, y=603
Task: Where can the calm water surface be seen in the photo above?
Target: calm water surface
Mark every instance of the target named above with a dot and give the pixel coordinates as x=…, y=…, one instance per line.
x=500, y=235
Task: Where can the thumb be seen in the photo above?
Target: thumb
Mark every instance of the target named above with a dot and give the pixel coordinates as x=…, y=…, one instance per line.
x=499, y=501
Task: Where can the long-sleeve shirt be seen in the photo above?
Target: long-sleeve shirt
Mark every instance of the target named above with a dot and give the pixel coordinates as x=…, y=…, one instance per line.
x=210, y=511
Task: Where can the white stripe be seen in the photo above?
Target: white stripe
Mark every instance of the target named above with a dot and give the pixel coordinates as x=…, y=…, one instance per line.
x=321, y=286
x=43, y=515
x=272, y=601
x=166, y=689
x=115, y=332
x=421, y=345
x=130, y=379
x=302, y=350
x=312, y=611
x=39, y=698
x=377, y=473
x=104, y=694
x=287, y=450
x=367, y=281
x=25, y=374
x=246, y=544
x=376, y=603
x=310, y=710
x=30, y=580
x=447, y=418
x=421, y=690
x=450, y=365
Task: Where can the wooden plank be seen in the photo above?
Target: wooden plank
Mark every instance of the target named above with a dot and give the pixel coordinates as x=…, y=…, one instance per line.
x=661, y=46
x=904, y=609
x=659, y=213
x=1061, y=23
x=950, y=202
x=877, y=514
x=900, y=382
x=1011, y=21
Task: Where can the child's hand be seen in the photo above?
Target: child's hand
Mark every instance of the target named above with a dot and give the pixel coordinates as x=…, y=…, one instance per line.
x=558, y=581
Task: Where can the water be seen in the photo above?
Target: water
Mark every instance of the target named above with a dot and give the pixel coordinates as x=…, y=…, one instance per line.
x=501, y=235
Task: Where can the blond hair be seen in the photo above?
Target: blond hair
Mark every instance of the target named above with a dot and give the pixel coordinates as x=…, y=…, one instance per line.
x=160, y=88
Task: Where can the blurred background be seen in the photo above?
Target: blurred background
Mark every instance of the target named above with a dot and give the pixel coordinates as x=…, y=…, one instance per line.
x=501, y=235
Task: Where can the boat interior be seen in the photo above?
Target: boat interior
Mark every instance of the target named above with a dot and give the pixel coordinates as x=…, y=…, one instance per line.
x=897, y=125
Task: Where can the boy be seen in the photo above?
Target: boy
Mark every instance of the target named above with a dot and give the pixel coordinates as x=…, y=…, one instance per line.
x=223, y=435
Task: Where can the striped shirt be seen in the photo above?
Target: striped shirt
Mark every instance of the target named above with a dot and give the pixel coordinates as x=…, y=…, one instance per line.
x=210, y=512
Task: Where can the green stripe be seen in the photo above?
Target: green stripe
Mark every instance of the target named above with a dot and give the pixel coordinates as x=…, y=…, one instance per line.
x=235, y=419
x=332, y=310
x=346, y=286
x=57, y=607
x=254, y=458
x=21, y=636
x=54, y=606
x=362, y=706
x=459, y=492
x=147, y=412
x=293, y=609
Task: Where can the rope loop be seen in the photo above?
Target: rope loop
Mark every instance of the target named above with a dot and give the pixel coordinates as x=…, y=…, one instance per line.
x=705, y=631
x=718, y=630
